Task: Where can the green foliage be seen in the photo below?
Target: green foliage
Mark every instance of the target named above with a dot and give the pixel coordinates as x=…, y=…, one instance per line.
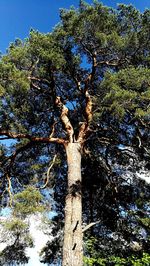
x=44, y=46
x=1, y=91
x=145, y=221
x=16, y=231
x=92, y=261
x=133, y=260
x=127, y=89
x=13, y=77
x=144, y=260
x=15, y=225
x=27, y=202
x=60, y=63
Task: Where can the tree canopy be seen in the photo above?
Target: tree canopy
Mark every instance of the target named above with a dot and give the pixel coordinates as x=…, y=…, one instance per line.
x=87, y=81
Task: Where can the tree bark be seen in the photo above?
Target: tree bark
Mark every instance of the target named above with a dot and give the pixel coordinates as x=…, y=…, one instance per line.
x=73, y=236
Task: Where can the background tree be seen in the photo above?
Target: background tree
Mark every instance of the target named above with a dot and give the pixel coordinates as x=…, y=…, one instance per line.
x=96, y=57
x=16, y=235
x=15, y=229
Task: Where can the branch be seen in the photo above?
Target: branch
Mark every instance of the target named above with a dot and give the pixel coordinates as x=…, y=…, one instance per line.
x=89, y=226
x=9, y=189
x=64, y=118
x=4, y=138
x=48, y=172
x=105, y=140
x=50, y=83
x=88, y=109
x=85, y=48
x=84, y=128
x=15, y=153
x=38, y=79
x=12, y=135
x=53, y=129
x=78, y=83
x=108, y=63
x=34, y=86
x=8, y=167
x=33, y=66
x=111, y=62
x=114, y=61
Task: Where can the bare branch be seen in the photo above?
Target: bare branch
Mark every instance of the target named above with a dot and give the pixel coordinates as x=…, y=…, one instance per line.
x=84, y=128
x=89, y=226
x=114, y=61
x=38, y=79
x=12, y=135
x=7, y=174
x=108, y=63
x=33, y=85
x=33, y=66
x=12, y=158
x=77, y=82
x=5, y=138
x=53, y=130
x=105, y=140
x=82, y=132
x=9, y=189
x=48, y=172
x=64, y=118
x=85, y=48
x=88, y=109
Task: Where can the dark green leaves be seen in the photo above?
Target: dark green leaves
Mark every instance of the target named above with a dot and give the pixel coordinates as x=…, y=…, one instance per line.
x=127, y=90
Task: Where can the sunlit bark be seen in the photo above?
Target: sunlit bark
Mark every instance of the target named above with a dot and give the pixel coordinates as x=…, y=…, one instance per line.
x=73, y=237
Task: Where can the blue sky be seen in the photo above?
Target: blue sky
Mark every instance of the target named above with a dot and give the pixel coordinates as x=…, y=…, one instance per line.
x=17, y=17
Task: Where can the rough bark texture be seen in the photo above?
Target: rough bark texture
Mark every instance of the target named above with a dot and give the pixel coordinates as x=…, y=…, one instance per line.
x=73, y=237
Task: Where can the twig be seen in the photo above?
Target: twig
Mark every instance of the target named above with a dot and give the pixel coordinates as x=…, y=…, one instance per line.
x=48, y=172
x=53, y=129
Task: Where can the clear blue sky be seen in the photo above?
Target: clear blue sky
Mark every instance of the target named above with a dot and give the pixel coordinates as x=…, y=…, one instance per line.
x=17, y=17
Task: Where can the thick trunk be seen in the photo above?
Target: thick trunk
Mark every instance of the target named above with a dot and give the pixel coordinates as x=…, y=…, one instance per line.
x=73, y=238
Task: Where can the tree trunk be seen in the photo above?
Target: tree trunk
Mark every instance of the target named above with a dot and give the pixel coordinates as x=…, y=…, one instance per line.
x=73, y=237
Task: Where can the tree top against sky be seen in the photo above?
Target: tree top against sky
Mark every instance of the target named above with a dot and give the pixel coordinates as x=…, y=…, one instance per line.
x=18, y=17
x=98, y=111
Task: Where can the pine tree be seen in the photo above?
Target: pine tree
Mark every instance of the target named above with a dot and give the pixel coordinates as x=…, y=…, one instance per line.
x=86, y=80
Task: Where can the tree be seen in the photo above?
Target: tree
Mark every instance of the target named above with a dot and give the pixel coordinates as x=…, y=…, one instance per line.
x=96, y=58
x=16, y=235
x=15, y=229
